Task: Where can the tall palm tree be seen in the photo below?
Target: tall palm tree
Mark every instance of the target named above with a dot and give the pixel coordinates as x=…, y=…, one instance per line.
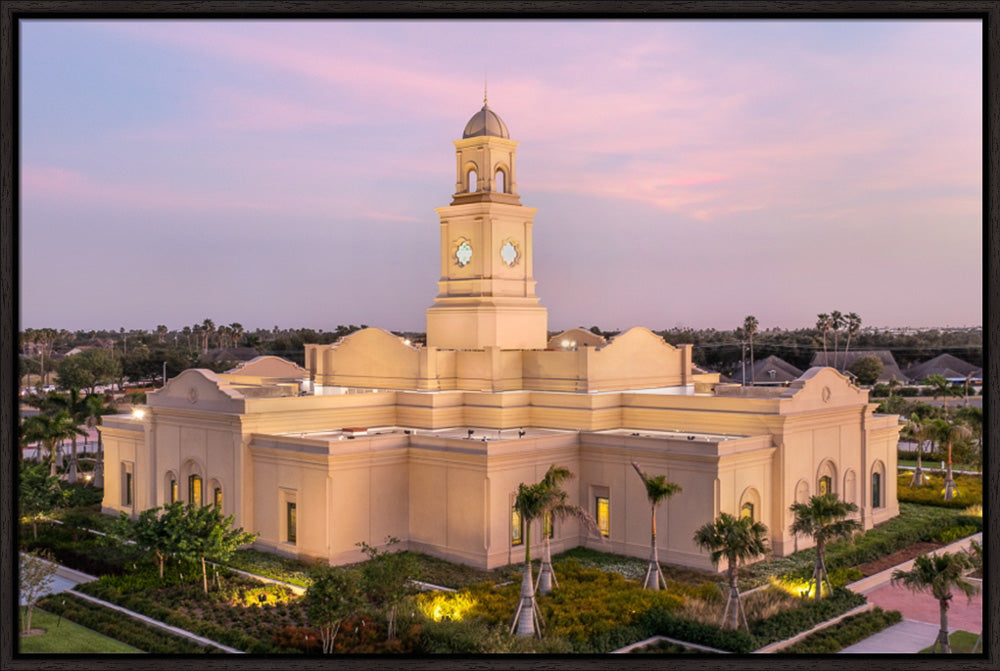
x=530, y=503
x=556, y=506
x=975, y=553
x=208, y=328
x=836, y=323
x=74, y=405
x=918, y=431
x=941, y=386
x=97, y=407
x=823, y=326
x=658, y=489
x=749, y=328
x=49, y=431
x=949, y=432
x=853, y=326
x=824, y=518
x=737, y=539
x=939, y=573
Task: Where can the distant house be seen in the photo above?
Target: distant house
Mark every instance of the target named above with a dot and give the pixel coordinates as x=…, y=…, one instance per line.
x=771, y=370
x=951, y=367
x=890, y=369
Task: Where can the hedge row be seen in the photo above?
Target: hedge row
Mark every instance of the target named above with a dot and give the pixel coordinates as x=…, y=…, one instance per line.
x=120, y=626
x=970, y=491
x=847, y=632
x=788, y=623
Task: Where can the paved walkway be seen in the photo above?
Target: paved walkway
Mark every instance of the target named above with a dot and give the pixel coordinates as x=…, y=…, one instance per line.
x=908, y=636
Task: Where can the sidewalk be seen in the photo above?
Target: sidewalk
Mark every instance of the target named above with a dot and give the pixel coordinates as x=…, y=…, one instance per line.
x=908, y=636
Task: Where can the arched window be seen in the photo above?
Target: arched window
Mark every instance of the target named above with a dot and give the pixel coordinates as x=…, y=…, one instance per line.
x=194, y=490
x=500, y=180
x=825, y=486
x=217, y=497
x=750, y=504
x=472, y=181
x=746, y=510
x=876, y=490
x=516, y=527
x=171, y=487
x=826, y=478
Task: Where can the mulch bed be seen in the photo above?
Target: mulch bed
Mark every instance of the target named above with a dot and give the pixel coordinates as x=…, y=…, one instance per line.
x=898, y=557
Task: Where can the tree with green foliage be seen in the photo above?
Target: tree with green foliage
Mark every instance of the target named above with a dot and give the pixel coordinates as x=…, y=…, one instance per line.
x=824, y=517
x=35, y=575
x=941, y=387
x=947, y=433
x=658, y=490
x=823, y=326
x=88, y=369
x=939, y=573
x=155, y=531
x=735, y=539
x=96, y=407
x=332, y=595
x=202, y=533
x=917, y=431
x=556, y=506
x=867, y=368
x=836, y=323
x=49, y=431
x=750, y=325
x=853, y=326
x=530, y=504
x=972, y=417
x=38, y=493
x=385, y=579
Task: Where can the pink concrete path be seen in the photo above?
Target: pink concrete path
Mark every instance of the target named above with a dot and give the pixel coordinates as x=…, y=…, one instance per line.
x=923, y=607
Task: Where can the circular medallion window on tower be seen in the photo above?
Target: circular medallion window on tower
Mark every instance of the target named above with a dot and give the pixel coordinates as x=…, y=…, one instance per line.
x=463, y=252
x=509, y=253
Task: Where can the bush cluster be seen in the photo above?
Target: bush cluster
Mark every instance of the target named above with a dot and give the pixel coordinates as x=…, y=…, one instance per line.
x=789, y=623
x=119, y=626
x=970, y=491
x=847, y=632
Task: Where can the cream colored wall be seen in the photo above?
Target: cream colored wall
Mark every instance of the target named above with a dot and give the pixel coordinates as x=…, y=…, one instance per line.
x=123, y=439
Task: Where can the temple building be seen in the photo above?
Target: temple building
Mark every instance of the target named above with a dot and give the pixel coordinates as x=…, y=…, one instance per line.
x=376, y=436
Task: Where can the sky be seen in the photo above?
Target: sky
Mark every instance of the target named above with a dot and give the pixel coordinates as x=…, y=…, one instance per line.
x=686, y=173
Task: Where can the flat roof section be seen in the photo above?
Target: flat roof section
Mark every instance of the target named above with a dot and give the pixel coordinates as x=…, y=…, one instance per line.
x=467, y=432
x=673, y=435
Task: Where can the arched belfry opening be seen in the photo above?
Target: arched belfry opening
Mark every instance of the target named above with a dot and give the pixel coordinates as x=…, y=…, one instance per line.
x=500, y=181
x=472, y=181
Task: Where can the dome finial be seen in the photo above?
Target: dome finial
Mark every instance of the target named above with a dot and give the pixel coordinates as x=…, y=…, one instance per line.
x=485, y=87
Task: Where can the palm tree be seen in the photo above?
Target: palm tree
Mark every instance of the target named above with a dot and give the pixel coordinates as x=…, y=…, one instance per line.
x=530, y=503
x=74, y=405
x=50, y=430
x=737, y=540
x=237, y=330
x=823, y=325
x=975, y=552
x=918, y=431
x=941, y=386
x=658, y=489
x=208, y=328
x=939, y=573
x=824, y=518
x=96, y=408
x=749, y=328
x=853, y=326
x=556, y=506
x=949, y=432
x=836, y=322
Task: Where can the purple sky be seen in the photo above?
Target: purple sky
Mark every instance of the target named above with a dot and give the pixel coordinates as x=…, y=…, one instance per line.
x=685, y=172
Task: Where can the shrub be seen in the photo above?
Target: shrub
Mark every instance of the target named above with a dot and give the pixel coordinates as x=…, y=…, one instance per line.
x=970, y=491
x=955, y=533
x=788, y=623
x=848, y=631
x=659, y=622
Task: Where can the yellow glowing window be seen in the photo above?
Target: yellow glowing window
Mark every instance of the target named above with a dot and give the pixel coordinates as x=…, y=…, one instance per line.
x=825, y=485
x=174, y=493
x=746, y=510
x=548, y=530
x=194, y=490
x=516, y=527
x=291, y=522
x=604, y=515
x=217, y=497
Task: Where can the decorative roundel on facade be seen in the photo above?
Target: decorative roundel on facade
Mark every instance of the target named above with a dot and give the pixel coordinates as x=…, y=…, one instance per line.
x=509, y=253
x=193, y=395
x=463, y=252
x=825, y=394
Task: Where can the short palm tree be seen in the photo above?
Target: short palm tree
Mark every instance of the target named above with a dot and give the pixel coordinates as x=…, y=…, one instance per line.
x=530, y=503
x=939, y=573
x=750, y=325
x=976, y=559
x=825, y=519
x=556, y=506
x=658, y=489
x=737, y=539
x=949, y=433
x=97, y=407
x=918, y=431
x=49, y=431
x=941, y=387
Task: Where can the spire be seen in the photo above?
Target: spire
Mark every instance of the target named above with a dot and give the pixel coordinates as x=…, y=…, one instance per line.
x=485, y=87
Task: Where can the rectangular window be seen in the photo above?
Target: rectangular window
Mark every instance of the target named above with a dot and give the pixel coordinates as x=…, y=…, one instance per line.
x=548, y=529
x=290, y=522
x=603, y=515
x=217, y=497
x=876, y=490
x=747, y=510
x=194, y=490
x=516, y=527
x=174, y=493
x=127, y=487
x=824, y=485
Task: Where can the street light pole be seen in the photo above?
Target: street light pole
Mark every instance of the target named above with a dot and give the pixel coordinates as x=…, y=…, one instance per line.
x=164, y=374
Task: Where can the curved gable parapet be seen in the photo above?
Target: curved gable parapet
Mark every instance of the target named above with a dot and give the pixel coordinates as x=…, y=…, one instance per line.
x=373, y=337
x=580, y=337
x=825, y=385
x=196, y=388
x=270, y=366
x=637, y=336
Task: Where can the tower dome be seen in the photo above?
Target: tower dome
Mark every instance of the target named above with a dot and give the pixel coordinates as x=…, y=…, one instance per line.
x=485, y=122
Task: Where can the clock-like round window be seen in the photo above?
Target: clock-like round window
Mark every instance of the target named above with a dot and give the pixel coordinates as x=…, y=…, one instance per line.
x=463, y=253
x=509, y=253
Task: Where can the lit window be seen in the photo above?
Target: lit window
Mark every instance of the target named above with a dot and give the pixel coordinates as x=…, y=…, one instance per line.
x=516, y=527
x=194, y=490
x=291, y=522
x=746, y=510
x=174, y=491
x=217, y=497
x=876, y=490
x=604, y=515
x=825, y=485
x=548, y=529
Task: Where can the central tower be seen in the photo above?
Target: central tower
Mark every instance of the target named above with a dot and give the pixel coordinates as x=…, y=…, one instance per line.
x=486, y=294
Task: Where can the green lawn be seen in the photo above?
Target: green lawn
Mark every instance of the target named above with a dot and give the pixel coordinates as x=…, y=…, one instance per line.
x=961, y=642
x=68, y=637
x=929, y=465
